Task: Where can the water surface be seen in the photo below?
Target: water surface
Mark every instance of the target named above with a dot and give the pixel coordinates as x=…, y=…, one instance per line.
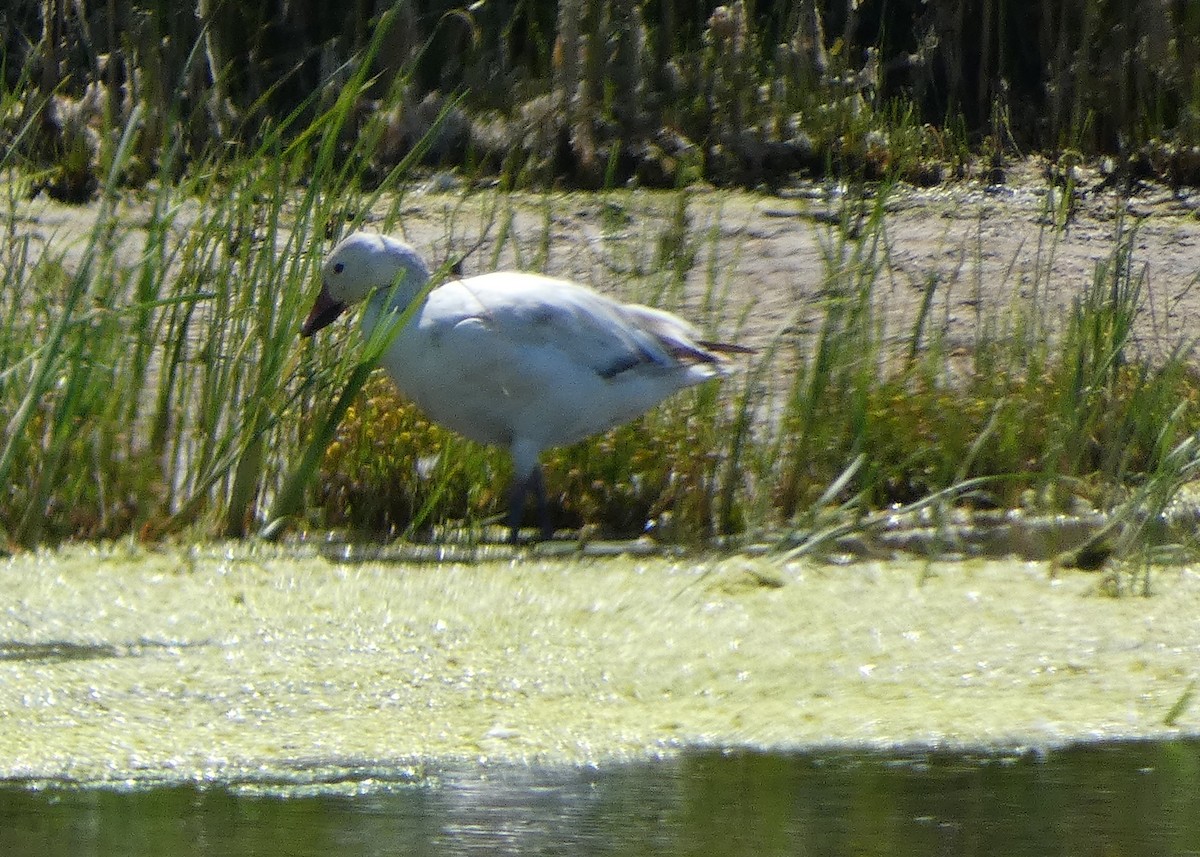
x=1128, y=798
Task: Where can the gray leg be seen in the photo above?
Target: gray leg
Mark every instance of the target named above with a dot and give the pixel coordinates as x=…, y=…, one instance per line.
x=516, y=505
x=543, y=510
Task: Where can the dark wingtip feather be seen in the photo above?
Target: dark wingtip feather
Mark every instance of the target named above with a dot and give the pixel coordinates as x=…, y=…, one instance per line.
x=726, y=347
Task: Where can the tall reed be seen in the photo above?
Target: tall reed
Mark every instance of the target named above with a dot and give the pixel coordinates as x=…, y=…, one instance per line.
x=152, y=380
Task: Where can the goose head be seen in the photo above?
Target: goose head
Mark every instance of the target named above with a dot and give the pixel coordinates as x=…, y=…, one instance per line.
x=360, y=264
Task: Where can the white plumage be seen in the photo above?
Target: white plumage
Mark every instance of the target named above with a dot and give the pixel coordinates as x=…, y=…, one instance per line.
x=514, y=359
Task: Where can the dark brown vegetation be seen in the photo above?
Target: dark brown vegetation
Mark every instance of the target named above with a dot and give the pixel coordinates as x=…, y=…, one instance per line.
x=662, y=92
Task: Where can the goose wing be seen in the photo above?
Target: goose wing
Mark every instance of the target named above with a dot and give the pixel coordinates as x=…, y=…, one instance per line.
x=532, y=314
x=528, y=361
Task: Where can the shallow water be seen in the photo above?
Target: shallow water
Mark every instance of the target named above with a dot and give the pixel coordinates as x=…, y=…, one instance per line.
x=1127, y=798
x=239, y=700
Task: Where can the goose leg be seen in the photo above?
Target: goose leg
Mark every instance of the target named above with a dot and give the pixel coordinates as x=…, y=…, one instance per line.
x=516, y=505
x=543, y=510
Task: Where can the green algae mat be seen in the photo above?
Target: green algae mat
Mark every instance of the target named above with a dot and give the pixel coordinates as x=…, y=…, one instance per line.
x=235, y=662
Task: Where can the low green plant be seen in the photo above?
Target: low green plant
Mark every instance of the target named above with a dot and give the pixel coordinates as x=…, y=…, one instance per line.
x=1059, y=417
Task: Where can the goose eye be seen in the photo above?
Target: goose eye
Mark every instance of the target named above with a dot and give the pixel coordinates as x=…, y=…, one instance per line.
x=338, y=268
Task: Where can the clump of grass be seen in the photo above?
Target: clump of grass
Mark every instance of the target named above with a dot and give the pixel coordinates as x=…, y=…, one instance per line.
x=660, y=473
x=150, y=383
x=387, y=463
x=390, y=471
x=1076, y=416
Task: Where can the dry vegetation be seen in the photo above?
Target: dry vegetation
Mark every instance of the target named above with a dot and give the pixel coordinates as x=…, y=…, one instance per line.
x=662, y=93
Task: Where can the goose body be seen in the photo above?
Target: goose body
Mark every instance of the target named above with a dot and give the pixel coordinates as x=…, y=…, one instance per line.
x=513, y=359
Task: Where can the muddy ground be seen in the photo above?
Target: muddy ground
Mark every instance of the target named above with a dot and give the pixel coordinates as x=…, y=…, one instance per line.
x=986, y=250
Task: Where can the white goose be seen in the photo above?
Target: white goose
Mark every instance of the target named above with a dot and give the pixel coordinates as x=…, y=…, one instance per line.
x=514, y=359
